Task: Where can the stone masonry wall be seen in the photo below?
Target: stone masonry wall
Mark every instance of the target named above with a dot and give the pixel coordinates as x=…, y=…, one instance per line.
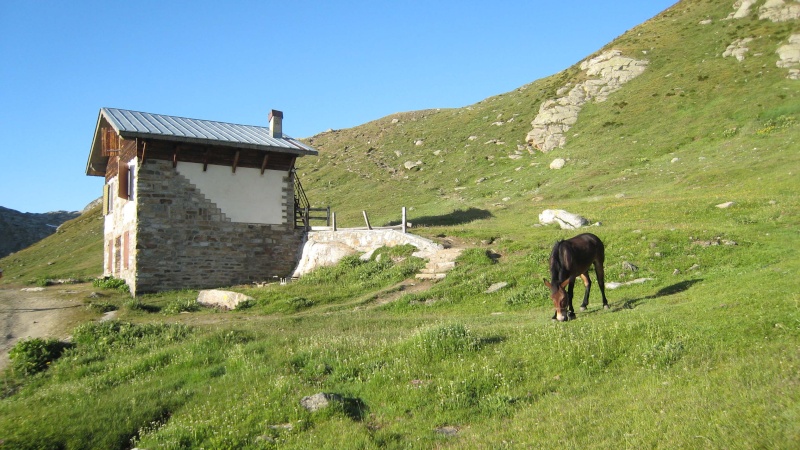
x=185, y=241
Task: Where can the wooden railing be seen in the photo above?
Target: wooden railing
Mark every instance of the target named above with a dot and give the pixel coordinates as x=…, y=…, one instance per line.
x=303, y=210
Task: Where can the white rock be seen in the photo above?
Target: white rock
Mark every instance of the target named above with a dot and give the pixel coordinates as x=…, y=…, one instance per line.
x=495, y=287
x=564, y=219
x=558, y=163
x=726, y=205
x=217, y=298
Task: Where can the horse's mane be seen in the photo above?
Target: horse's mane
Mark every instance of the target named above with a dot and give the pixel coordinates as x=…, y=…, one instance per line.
x=556, y=265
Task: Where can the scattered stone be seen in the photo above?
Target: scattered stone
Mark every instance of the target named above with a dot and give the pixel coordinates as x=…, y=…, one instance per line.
x=216, y=298
x=316, y=402
x=448, y=430
x=674, y=160
x=95, y=295
x=694, y=267
x=738, y=49
x=564, y=219
x=713, y=242
x=495, y=287
x=472, y=138
x=419, y=142
x=676, y=272
x=412, y=164
x=32, y=289
x=615, y=285
x=110, y=315
x=706, y=22
x=629, y=267
x=726, y=205
x=395, y=120
x=558, y=163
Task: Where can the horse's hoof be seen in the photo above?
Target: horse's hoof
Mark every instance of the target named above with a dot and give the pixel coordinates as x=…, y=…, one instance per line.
x=583, y=308
x=606, y=307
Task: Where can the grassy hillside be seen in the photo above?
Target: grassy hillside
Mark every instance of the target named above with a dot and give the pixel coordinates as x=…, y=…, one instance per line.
x=704, y=354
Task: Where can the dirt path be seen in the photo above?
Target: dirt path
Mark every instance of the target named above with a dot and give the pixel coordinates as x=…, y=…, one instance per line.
x=52, y=312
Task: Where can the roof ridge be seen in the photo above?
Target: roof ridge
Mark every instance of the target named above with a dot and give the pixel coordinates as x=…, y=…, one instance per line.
x=184, y=118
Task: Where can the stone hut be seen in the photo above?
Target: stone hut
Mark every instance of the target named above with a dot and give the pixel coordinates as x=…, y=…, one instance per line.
x=192, y=204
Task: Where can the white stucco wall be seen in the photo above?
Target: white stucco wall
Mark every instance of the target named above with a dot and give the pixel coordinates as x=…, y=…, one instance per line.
x=245, y=196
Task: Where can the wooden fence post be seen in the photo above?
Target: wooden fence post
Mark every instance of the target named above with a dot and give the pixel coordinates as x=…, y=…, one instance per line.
x=404, y=220
x=333, y=220
x=366, y=219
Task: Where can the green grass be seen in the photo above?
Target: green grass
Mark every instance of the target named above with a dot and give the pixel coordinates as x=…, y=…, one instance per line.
x=704, y=355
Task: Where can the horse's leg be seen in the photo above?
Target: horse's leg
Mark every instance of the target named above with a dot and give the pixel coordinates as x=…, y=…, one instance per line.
x=598, y=270
x=571, y=311
x=587, y=284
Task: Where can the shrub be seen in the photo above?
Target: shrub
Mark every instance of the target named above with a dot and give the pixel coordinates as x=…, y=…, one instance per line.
x=31, y=356
x=111, y=283
x=180, y=305
x=114, y=333
x=298, y=303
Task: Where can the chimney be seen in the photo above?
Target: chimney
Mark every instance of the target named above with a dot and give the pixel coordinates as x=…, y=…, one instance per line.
x=276, y=123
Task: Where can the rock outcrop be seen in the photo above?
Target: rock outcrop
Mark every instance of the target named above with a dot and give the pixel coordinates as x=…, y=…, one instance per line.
x=789, y=57
x=607, y=72
x=325, y=248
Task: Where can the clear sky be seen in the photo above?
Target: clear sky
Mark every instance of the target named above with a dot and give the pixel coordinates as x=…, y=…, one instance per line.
x=325, y=64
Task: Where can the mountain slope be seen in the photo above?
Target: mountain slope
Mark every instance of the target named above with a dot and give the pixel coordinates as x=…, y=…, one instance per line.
x=691, y=104
x=19, y=230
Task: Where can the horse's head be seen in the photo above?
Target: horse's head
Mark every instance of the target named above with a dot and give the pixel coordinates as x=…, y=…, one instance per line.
x=559, y=297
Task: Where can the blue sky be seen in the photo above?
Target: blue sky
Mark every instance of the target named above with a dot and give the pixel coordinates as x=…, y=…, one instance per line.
x=325, y=64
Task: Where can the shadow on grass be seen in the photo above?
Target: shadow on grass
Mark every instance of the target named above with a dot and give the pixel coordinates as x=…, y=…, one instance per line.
x=676, y=288
x=457, y=217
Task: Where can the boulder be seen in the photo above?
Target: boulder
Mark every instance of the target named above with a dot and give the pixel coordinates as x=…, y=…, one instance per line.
x=564, y=219
x=316, y=402
x=216, y=298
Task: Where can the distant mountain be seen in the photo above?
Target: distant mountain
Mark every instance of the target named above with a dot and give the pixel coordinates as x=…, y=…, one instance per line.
x=19, y=230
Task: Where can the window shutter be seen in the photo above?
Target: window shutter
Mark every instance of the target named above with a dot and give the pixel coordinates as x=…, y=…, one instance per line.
x=106, y=189
x=123, y=181
x=125, y=249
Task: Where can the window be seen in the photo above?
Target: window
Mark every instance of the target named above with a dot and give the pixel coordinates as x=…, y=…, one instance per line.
x=126, y=175
x=108, y=199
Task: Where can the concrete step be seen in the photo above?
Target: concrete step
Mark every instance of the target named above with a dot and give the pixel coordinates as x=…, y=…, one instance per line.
x=439, y=263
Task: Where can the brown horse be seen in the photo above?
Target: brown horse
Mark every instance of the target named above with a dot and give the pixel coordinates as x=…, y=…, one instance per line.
x=570, y=259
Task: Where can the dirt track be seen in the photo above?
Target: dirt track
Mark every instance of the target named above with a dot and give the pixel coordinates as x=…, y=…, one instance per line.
x=52, y=312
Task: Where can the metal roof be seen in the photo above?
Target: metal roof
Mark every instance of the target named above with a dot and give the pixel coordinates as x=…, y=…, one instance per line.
x=158, y=126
